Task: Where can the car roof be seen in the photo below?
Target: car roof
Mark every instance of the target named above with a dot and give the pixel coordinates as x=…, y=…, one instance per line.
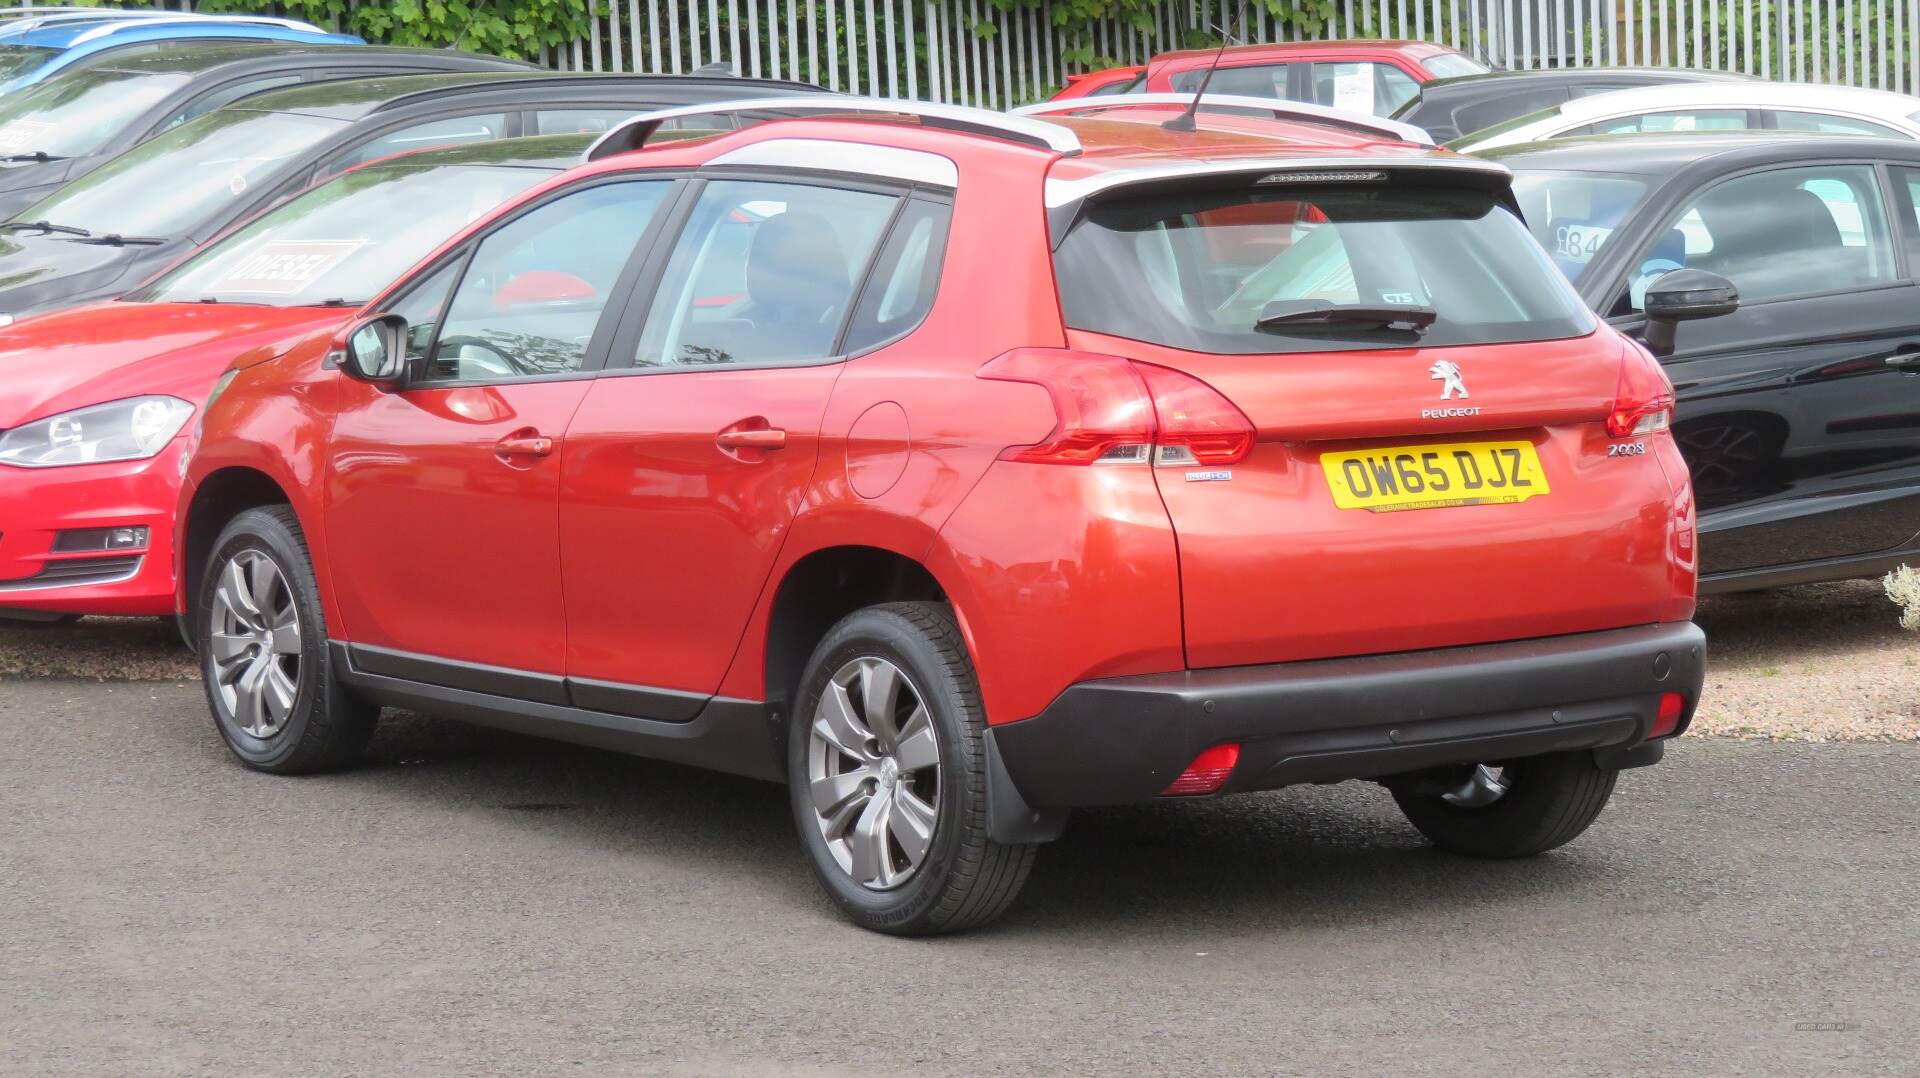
x=68, y=34
x=1081, y=156
x=1232, y=53
x=1131, y=138
x=203, y=56
x=1671, y=154
x=355, y=99
x=1496, y=80
x=1751, y=93
x=550, y=152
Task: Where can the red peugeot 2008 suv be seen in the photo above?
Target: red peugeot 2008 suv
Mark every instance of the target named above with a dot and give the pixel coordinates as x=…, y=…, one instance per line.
x=960, y=470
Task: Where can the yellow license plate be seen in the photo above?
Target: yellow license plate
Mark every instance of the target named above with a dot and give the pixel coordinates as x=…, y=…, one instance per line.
x=1432, y=476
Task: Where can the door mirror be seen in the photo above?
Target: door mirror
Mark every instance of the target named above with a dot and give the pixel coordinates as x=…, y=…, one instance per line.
x=1682, y=296
x=376, y=350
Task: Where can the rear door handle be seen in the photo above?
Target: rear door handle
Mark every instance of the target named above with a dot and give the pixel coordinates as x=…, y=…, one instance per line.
x=767, y=438
x=519, y=445
x=1907, y=355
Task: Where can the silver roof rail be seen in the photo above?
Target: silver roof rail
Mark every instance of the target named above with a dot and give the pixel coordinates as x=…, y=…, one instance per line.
x=19, y=20
x=115, y=26
x=43, y=12
x=1281, y=110
x=634, y=133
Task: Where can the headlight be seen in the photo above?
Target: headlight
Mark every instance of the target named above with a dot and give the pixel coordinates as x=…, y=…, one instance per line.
x=132, y=429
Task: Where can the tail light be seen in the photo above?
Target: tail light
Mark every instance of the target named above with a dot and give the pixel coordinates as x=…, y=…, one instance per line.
x=1207, y=773
x=1667, y=719
x=1643, y=401
x=1111, y=410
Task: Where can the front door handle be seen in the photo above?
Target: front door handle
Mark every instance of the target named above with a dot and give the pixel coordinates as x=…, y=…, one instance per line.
x=764, y=438
x=1907, y=355
x=524, y=445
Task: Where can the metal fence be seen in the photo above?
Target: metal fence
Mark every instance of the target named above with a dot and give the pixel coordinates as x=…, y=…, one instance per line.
x=973, y=52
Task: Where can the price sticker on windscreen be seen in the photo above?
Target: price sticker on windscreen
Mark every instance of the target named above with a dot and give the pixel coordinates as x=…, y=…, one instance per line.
x=22, y=136
x=281, y=269
x=1578, y=243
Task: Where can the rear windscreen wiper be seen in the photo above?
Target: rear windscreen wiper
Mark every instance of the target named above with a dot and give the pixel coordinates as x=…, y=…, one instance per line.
x=39, y=156
x=1317, y=312
x=43, y=226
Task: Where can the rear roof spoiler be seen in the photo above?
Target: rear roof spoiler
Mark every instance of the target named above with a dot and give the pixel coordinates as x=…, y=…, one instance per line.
x=1067, y=198
x=1279, y=110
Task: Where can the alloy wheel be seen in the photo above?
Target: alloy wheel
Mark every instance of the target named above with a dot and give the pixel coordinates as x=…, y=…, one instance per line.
x=1723, y=456
x=254, y=645
x=873, y=771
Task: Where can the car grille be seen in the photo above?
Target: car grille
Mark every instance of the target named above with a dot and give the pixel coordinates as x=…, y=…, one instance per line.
x=79, y=571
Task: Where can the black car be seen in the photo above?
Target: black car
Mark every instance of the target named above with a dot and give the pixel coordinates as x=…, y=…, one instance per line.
x=67, y=126
x=1450, y=108
x=1777, y=278
x=106, y=232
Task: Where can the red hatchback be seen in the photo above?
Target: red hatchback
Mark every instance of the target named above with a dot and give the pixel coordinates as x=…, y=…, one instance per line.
x=96, y=401
x=1360, y=76
x=965, y=471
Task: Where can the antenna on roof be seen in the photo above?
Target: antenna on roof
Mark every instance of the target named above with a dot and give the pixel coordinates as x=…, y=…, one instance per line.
x=1185, y=121
x=473, y=16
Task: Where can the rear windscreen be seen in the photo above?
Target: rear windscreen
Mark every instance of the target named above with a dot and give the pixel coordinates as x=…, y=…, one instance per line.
x=1296, y=269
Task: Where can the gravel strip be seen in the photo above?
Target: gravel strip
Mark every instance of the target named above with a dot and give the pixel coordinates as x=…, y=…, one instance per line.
x=1824, y=662
x=98, y=649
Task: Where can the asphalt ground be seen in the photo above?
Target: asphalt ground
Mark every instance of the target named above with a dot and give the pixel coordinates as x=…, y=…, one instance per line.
x=474, y=902
x=1825, y=662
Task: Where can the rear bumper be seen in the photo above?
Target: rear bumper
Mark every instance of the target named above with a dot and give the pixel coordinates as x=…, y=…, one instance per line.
x=1124, y=739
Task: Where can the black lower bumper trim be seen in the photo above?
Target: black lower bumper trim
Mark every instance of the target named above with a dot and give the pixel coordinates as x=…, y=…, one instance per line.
x=1124, y=739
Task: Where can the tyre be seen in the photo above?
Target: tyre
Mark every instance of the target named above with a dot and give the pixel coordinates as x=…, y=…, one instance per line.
x=262, y=639
x=887, y=771
x=1516, y=809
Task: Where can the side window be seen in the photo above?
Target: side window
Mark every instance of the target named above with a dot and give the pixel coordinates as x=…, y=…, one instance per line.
x=421, y=306
x=1130, y=86
x=227, y=95
x=1906, y=184
x=1362, y=87
x=1684, y=120
x=1506, y=107
x=598, y=121
x=1252, y=80
x=763, y=272
x=1786, y=232
x=534, y=289
x=900, y=291
x=452, y=132
x=1832, y=125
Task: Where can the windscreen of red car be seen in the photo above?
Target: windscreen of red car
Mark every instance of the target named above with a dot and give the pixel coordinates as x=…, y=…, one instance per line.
x=1292, y=269
x=345, y=240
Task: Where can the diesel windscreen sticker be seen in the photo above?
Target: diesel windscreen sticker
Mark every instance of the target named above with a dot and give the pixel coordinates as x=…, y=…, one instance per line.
x=281, y=269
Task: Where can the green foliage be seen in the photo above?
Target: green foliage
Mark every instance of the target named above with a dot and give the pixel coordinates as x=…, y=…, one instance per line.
x=1076, y=18
x=516, y=28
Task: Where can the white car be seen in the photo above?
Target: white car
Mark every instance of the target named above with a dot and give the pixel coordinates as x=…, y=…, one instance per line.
x=1712, y=106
